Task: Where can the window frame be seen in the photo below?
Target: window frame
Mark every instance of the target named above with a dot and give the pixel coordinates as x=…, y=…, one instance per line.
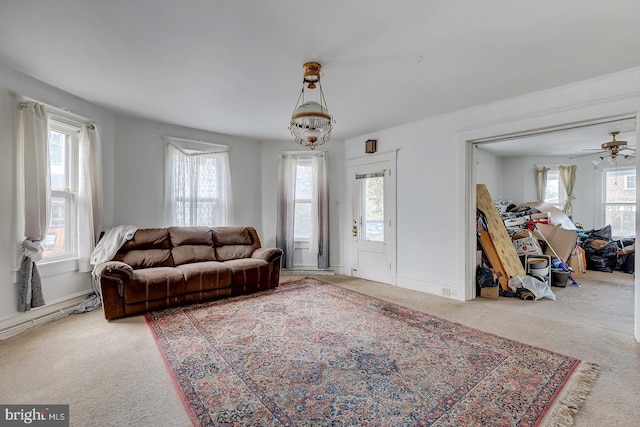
x=562, y=194
x=606, y=204
x=195, y=148
x=70, y=193
x=302, y=242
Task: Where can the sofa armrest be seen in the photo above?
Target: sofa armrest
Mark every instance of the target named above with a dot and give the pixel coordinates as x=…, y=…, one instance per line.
x=114, y=270
x=267, y=254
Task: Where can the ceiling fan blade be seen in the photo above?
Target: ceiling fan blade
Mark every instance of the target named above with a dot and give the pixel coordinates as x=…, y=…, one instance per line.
x=588, y=154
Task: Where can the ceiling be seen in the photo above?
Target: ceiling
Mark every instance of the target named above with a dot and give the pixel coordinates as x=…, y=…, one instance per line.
x=580, y=139
x=235, y=67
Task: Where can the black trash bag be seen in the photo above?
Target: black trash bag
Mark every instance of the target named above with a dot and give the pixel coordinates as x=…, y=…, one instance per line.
x=603, y=233
x=601, y=263
x=484, y=277
x=629, y=265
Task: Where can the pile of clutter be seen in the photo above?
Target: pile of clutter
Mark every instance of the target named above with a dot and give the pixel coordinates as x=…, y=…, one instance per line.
x=545, y=240
x=602, y=253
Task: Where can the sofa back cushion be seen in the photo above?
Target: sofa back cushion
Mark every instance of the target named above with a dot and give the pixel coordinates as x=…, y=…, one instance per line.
x=234, y=242
x=191, y=244
x=150, y=247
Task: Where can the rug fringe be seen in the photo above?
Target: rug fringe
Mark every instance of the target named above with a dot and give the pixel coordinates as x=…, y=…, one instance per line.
x=572, y=397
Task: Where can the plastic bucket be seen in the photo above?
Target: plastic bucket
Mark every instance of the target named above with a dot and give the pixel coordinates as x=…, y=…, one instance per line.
x=559, y=277
x=538, y=267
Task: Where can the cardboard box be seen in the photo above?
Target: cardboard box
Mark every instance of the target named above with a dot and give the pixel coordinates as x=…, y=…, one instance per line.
x=542, y=216
x=522, y=234
x=562, y=241
x=527, y=246
x=576, y=262
x=492, y=292
x=515, y=222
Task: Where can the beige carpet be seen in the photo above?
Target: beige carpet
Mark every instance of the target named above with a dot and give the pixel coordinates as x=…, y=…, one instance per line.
x=112, y=374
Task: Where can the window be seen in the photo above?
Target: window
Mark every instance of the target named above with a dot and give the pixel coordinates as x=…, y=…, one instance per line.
x=372, y=206
x=198, y=187
x=555, y=193
x=630, y=182
x=60, y=241
x=620, y=201
x=303, y=196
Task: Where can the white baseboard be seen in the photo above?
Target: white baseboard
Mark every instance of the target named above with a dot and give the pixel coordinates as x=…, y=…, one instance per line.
x=39, y=316
x=300, y=272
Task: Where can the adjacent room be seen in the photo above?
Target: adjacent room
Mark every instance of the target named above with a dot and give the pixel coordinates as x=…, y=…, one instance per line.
x=271, y=213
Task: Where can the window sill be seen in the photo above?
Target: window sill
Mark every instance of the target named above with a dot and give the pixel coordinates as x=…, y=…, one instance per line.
x=52, y=268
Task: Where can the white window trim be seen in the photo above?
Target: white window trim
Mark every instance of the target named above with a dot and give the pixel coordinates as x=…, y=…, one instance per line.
x=603, y=191
x=301, y=242
x=192, y=146
x=52, y=266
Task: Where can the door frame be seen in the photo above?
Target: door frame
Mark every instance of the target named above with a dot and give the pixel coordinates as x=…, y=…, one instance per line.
x=470, y=138
x=390, y=208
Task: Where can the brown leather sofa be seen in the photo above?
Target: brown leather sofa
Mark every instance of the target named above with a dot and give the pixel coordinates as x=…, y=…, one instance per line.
x=165, y=267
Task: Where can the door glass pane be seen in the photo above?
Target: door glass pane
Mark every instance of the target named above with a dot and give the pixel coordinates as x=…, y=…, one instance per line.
x=373, y=209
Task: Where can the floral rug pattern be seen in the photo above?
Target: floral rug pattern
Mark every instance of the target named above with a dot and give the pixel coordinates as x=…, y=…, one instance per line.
x=313, y=354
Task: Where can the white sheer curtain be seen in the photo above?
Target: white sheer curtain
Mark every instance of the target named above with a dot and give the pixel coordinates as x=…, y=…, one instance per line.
x=197, y=188
x=568, y=179
x=319, y=237
x=32, y=199
x=320, y=211
x=286, y=208
x=89, y=195
x=541, y=182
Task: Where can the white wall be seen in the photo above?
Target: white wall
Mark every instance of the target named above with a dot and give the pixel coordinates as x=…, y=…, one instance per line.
x=488, y=170
x=428, y=191
x=139, y=171
x=336, y=172
x=59, y=287
x=436, y=183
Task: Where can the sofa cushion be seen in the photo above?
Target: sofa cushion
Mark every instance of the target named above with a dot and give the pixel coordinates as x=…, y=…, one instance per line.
x=153, y=284
x=191, y=244
x=205, y=276
x=234, y=242
x=248, y=270
x=149, y=247
x=231, y=236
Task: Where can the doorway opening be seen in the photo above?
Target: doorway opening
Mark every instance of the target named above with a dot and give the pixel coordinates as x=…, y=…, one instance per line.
x=506, y=164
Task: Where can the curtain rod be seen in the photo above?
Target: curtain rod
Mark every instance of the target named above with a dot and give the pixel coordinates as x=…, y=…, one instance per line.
x=59, y=110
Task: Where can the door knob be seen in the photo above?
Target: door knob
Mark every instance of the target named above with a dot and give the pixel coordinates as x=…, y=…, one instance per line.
x=354, y=231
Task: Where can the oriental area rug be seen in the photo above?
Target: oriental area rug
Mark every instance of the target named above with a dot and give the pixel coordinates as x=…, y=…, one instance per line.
x=310, y=353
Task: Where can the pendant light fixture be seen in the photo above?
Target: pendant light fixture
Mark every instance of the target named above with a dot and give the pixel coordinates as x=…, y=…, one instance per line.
x=311, y=122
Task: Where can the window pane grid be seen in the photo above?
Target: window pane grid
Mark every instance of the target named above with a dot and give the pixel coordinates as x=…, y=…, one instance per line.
x=60, y=238
x=620, y=201
x=302, y=208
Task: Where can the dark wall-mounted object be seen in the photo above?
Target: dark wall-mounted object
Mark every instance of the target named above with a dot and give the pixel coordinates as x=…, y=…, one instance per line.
x=370, y=146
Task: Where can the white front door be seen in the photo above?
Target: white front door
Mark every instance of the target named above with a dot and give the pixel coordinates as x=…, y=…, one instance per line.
x=373, y=226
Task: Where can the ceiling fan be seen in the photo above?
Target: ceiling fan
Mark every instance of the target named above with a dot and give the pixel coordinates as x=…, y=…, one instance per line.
x=612, y=150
